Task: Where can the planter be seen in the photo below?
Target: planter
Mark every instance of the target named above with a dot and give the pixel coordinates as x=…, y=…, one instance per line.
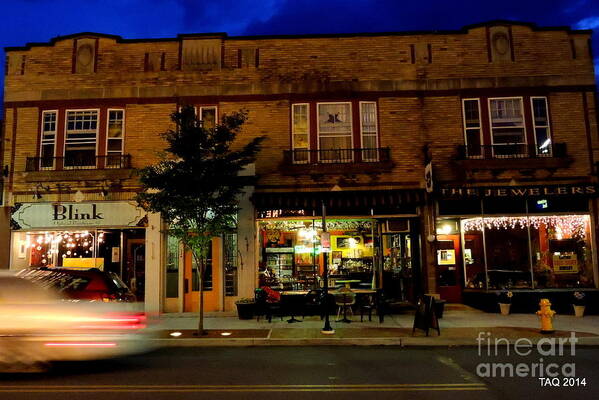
x=504, y=308
x=245, y=310
x=578, y=310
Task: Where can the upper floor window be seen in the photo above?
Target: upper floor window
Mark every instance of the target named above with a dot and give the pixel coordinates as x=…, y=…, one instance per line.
x=507, y=126
x=368, y=130
x=48, y=140
x=115, y=137
x=81, y=138
x=208, y=116
x=472, y=126
x=335, y=132
x=540, y=121
x=506, y=136
x=300, y=133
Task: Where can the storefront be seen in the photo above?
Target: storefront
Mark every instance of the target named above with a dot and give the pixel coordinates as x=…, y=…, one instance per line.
x=110, y=236
x=537, y=238
x=374, y=241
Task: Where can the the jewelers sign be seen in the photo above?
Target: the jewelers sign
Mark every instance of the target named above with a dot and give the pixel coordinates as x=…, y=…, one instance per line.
x=51, y=215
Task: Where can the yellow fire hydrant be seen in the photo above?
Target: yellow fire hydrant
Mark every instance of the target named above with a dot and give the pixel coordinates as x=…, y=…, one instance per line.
x=546, y=316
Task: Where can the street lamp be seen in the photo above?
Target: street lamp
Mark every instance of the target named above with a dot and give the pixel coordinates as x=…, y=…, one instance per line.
x=327, y=330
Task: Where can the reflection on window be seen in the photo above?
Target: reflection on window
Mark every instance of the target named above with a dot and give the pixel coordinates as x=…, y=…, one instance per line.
x=541, y=126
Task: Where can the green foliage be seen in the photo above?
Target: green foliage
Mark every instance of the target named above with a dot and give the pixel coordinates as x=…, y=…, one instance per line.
x=196, y=184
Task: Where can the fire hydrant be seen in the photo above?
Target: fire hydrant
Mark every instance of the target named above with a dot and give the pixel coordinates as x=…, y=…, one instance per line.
x=546, y=316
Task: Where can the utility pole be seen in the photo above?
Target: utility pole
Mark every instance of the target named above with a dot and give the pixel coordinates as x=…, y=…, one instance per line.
x=327, y=330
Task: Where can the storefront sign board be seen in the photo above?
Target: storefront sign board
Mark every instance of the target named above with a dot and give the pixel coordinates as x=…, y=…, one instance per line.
x=520, y=191
x=59, y=215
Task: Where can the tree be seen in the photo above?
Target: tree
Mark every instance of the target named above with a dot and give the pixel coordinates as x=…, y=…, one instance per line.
x=196, y=184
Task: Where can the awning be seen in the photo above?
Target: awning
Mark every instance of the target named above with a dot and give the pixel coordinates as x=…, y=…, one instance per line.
x=350, y=200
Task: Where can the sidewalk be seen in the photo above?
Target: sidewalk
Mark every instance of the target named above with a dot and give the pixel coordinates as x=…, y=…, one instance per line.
x=460, y=326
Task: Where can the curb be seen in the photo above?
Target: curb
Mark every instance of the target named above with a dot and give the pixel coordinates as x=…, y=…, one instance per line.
x=402, y=342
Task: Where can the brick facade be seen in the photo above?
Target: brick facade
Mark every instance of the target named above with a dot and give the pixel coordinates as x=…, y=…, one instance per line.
x=417, y=80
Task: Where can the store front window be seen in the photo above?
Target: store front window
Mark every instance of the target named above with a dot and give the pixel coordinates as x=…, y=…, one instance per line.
x=534, y=251
x=121, y=251
x=291, y=256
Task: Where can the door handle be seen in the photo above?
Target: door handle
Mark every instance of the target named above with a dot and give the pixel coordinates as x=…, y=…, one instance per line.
x=186, y=285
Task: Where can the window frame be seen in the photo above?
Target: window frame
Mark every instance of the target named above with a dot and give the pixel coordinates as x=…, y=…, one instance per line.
x=293, y=133
x=64, y=144
x=376, y=132
x=200, y=109
x=108, y=152
x=548, y=126
x=480, y=126
x=524, y=132
x=351, y=132
x=42, y=122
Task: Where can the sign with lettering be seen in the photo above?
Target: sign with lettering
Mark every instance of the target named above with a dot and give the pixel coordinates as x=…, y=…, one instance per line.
x=60, y=215
x=519, y=191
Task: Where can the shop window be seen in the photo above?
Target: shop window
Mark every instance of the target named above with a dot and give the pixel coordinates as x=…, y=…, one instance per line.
x=561, y=251
x=172, y=267
x=540, y=120
x=114, y=137
x=507, y=127
x=80, y=138
x=335, y=132
x=368, y=127
x=472, y=127
x=300, y=133
x=48, y=140
x=230, y=263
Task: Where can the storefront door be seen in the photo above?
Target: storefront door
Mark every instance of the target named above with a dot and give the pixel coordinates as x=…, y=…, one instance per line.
x=448, y=264
x=212, y=281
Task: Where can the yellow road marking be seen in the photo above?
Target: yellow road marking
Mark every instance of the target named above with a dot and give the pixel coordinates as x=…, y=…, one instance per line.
x=244, y=388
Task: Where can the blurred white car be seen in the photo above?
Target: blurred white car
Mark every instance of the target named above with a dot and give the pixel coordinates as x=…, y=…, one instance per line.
x=37, y=327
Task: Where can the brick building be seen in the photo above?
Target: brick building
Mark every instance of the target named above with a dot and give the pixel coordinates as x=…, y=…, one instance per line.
x=500, y=117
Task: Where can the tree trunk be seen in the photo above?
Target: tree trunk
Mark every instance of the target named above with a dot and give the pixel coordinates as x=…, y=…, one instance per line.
x=201, y=321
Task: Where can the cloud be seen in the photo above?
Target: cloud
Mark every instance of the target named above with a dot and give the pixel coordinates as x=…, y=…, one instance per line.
x=588, y=23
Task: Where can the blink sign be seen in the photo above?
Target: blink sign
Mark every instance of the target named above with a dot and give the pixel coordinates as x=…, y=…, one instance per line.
x=52, y=215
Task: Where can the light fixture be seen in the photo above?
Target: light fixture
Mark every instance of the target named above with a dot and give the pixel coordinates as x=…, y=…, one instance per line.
x=226, y=333
x=175, y=334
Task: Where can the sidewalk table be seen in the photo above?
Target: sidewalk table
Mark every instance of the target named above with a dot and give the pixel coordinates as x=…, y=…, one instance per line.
x=291, y=301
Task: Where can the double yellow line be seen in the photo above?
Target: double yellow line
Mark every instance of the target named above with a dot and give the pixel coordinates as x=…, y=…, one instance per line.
x=405, y=387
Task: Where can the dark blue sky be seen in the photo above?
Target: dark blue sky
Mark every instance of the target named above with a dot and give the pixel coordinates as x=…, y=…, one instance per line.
x=39, y=20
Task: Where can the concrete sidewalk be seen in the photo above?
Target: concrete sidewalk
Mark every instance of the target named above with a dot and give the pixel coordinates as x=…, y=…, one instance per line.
x=460, y=326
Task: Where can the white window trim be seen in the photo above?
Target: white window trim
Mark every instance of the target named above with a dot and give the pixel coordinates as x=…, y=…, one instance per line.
x=66, y=124
x=480, y=126
x=201, y=108
x=351, y=124
x=108, y=127
x=293, y=132
x=534, y=125
x=491, y=121
x=42, y=139
x=376, y=130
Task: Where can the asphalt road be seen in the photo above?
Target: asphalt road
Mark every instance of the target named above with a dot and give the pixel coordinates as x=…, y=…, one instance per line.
x=304, y=372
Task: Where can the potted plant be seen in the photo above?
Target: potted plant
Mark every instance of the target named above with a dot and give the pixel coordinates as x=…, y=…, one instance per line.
x=505, y=301
x=245, y=308
x=579, y=304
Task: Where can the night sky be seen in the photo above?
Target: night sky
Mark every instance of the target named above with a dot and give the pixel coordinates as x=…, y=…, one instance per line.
x=40, y=20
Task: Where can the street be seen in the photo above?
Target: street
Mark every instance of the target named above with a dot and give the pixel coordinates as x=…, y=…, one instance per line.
x=298, y=372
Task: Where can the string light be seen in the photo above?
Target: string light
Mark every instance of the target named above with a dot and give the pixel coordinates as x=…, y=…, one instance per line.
x=565, y=225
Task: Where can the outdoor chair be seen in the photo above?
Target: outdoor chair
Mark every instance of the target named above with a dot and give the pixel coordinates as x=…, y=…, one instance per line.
x=367, y=304
x=265, y=308
x=345, y=299
x=313, y=303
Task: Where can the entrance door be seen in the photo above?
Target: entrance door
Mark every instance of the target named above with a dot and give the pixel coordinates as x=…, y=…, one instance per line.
x=448, y=263
x=134, y=275
x=212, y=281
